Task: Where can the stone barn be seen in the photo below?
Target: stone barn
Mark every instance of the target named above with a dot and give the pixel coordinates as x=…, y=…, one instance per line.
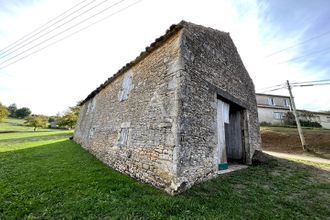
x=184, y=109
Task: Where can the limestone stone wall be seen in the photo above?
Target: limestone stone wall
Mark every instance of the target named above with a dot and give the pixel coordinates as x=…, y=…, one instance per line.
x=148, y=116
x=212, y=68
x=157, y=121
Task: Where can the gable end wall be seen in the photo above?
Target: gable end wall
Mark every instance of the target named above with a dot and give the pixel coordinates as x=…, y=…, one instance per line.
x=212, y=68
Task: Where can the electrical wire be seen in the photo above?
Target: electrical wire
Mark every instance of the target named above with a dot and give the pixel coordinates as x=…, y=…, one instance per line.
x=318, y=84
x=271, y=87
x=57, y=27
x=271, y=90
x=300, y=84
x=307, y=55
x=65, y=30
x=5, y=49
x=298, y=44
x=67, y=36
x=324, y=80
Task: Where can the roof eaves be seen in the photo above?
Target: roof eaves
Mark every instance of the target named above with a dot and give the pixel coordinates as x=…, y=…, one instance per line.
x=264, y=94
x=158, y=42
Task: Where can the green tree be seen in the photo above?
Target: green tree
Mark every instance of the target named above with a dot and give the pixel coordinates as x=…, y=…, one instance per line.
x=51, y=119
x=36, y=121
x=3, y=112
x=12, y=110
x=23, y=112
x=70, y=117
x=289, y=119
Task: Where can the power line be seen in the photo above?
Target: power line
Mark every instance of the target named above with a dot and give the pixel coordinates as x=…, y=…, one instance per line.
x=300, y=43
x=50, y=31
x=318, y=84
x=271, y=87
x=65, y=30
x=67, y=36
x=324, y=80
x=300, y=84
x=271, y=90
x=5, y=49
x=312, y=53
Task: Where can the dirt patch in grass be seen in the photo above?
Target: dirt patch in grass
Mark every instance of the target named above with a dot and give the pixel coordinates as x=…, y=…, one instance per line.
x=286, y=140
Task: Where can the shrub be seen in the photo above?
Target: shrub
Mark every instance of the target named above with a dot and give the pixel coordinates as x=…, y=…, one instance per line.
x=36, y=121
x=312, y=124
x=3, y=112
x=264, y=123
x=290, y=120
x=23, y=112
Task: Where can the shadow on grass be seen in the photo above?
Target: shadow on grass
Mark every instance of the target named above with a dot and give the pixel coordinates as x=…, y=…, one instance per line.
x=61, y=180
x=13, y=131
x=36, y=137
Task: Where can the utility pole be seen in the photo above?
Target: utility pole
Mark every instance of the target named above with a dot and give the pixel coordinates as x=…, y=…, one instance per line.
x=301, y=135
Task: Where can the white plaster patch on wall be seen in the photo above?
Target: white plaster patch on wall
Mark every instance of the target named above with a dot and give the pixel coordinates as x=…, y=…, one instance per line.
x=172, y=84
x=91, y=132
x=175, y=66
x=178, y=42
x=122, y=137
x=175, y=159
x=156, y=101
x=93, y=104
x=123, y=134
x=125, y=125
x=88, y=107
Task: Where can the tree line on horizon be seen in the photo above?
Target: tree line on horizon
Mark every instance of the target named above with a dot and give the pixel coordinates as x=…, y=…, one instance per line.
x=13, y=112
x=66, y=121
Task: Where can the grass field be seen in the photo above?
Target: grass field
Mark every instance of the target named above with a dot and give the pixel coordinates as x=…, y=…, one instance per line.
x=14, y=124
x=44, y=175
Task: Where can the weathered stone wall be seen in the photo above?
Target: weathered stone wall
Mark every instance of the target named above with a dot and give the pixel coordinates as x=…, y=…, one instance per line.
x=212, y=67
x=149, y=114
x=170, y=113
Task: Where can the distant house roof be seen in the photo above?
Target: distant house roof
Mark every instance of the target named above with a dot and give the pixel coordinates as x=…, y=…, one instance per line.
x=263, y=94
x=319, y=113
x=287, y=109
x=158, y=42
x=272, y=107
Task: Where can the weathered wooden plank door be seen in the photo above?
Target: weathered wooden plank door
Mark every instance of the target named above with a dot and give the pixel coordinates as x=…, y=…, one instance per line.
x=222, y=118
x=233, y=133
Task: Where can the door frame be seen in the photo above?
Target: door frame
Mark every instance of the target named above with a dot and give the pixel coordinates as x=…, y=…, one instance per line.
x=244, y=127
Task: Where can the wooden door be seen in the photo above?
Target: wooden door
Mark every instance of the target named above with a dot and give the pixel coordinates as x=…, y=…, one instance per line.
x=222, y=118
x=233, y=133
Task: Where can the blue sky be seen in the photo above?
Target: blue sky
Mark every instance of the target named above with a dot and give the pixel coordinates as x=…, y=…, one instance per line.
x=301, y=20
x=59, y=76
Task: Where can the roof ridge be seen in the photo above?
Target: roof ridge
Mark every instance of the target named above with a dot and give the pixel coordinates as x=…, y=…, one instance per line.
x=154, y=45
x=174, y=28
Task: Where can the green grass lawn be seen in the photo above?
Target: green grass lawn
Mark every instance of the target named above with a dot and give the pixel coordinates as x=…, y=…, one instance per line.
x=44, y=175
x=318, y=164
x=14, y=124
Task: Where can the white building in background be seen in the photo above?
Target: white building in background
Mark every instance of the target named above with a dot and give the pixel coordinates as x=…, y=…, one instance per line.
x=272, y=108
